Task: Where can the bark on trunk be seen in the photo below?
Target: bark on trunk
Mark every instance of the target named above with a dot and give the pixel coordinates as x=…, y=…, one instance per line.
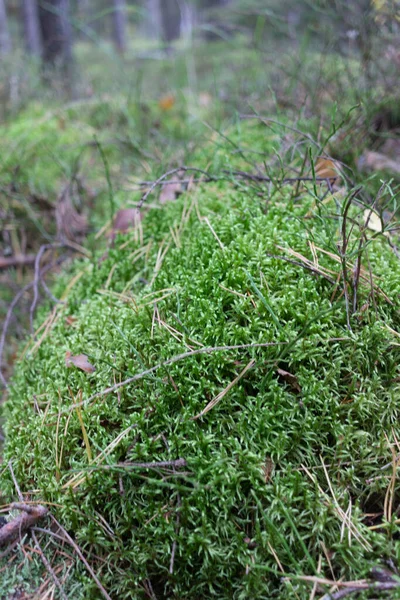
x=119, y=18
x=56, y=32
x=5, y=39
x=33, y=38
x=154, y=19
x=171, y=20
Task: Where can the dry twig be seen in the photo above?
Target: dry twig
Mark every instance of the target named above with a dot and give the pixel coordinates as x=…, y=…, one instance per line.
x=166, y=363
x=29, y=516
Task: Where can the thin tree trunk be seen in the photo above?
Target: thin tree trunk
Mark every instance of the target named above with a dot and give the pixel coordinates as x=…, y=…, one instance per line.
x=154, y=19
x=119, y=18
x=5, y=39
x=171, y=20
x=56, y=32
x=188, y=18
x=33, y=37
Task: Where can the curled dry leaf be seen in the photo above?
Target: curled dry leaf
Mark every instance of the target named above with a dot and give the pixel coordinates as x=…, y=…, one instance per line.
x=70, y=320
x=169, y=192
x=326, y=168
x=80, y=361
x=373, y=221
x=125, y=219
x=71, y=225
x=290, y=379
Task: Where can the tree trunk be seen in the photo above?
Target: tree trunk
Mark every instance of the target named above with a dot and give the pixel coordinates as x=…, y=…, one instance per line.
x=119, y=18
x=154, y=19
x=33, y=38
x=171, y=20
x=188, y=18
x=5, y=40
x=56, y=32
x=206, y=4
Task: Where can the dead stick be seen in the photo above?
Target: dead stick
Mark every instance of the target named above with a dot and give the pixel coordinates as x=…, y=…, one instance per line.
x=170, y=361
x=83, y=559
x=16, y=261
x=15, y=528
x=49, y=568
x=162, y=464
x=168, y=174
x=36, y=281
x=378, y=586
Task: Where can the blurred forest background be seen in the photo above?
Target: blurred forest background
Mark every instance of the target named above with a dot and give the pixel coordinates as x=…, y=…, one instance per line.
x=71, y=35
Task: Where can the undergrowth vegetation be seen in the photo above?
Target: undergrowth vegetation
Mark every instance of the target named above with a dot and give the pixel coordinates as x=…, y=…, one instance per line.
x=238, y=430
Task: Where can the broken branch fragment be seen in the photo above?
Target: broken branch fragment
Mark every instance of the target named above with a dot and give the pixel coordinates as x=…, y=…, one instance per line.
x=30, y=515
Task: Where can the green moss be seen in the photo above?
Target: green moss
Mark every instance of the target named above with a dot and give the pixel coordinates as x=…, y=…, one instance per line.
x=255, y=460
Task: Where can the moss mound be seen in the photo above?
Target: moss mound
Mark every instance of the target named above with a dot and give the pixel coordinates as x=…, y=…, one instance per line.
x=282, y=474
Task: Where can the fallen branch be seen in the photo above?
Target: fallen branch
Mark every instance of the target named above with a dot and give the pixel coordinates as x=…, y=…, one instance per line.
x=19, y=260
x=168, y=174
x=75, y=546
x=49, y=568
x=30, y=515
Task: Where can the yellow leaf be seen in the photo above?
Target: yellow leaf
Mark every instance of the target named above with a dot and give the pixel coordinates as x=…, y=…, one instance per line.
x=373, y=221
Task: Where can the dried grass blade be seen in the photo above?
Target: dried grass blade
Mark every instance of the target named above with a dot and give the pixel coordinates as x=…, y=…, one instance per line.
x=219, y=397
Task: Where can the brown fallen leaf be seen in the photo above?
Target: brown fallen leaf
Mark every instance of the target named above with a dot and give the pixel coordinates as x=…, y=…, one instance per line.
x=71, y=225
x=70, y=320
x=290, y=379
x=326, y=168
x=169, y=192
x=80, y=361
x=126, y=218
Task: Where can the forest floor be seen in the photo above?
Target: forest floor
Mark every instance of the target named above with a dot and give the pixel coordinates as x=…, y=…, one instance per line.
x=69, y=166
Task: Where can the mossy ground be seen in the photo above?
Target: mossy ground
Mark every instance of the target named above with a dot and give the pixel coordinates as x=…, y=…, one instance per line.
x=281, y=479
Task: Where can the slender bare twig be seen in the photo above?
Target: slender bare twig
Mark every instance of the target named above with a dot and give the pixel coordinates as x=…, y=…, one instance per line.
x=305, y=266
x=49, y=568
x=266, y=120
x=162, y=464
x=168, y=174
x=361, y=244
x=36, y=281
x=30, y=514
x=83, y=559
x=6, y=324
x=383, y=580
x=242, y=174
x=375, y=586
x=7, y=320
x=16, y=261
x=170, y=361
x=342, y=247
x=15, y=482
x=255, y=177
x=174, y=543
